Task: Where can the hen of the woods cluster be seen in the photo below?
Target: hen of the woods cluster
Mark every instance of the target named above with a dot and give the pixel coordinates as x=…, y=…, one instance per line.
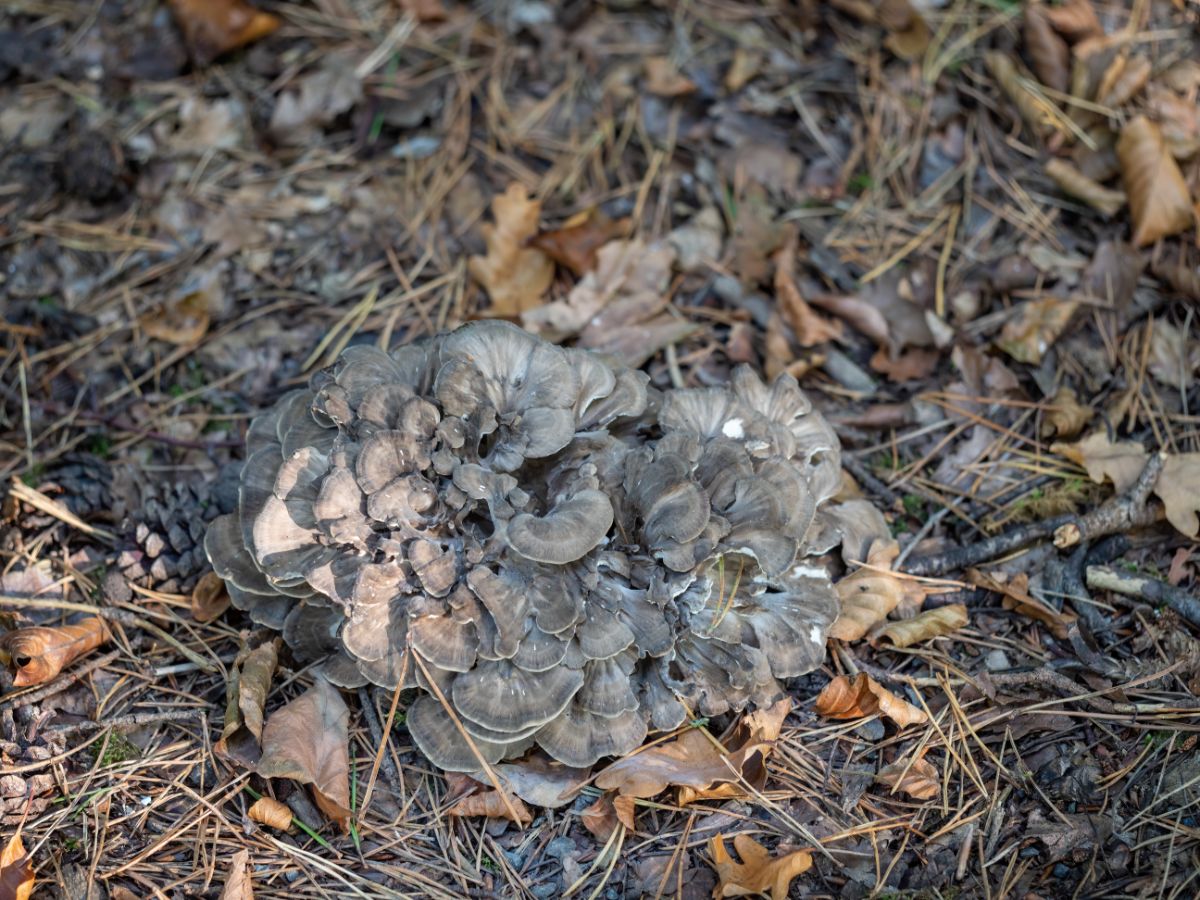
x=575, y=557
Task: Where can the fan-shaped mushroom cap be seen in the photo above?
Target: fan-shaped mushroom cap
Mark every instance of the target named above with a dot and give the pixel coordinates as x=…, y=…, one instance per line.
x=433, y=731
x=579, y=738
x=502, y=697
x=567, y=533
x=445, y=643
x=539, y=651
x=607, y=690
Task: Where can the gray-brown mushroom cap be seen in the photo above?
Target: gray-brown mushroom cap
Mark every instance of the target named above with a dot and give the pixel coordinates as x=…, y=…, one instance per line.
x=544, y=548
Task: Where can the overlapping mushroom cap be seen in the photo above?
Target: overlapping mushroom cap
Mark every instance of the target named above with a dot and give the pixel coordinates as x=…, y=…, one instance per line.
x=573, y=558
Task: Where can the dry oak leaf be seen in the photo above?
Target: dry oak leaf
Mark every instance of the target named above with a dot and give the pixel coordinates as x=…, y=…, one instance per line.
x=212, y=28
x=270, y=812
x=494, y=805
x=809, y=327
x=237, y=885
x=1048, y=52
x=39, y=653
x=307, y=740
x=209, y=598
x=924, y=626
x=609, y=811
x=919, y=778
x=843, y=698
x=245, y=697
x=1159, y=201
x=1120, y=462
x=515, y=276
x=1065, y=416
x=1030, y=333
x=1074, y=183
x=576, y=244
x=695, y=764
x=758, y=872
x=182, y=322
x=16, y=871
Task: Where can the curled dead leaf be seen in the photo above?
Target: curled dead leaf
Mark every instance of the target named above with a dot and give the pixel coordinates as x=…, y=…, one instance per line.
x=758, y=872
x=869, y=594
x=918, y=778
x=1174, y=357
x=908, y=33
x=1075, y=184
x=844, y=698
x=182, y=322
x=1047, y=51
x=809, y=327
x=575, y=244
x=1031, y=331
x=1124, y=80
x=39, y=653
x=1037, y=111
x=308, y=740
x=695, y=763
x=924, y=626
x=237, y=885
x=1177, y=118
x=609, y=811
x=245, y=698
x=1065, y=416
x=270, y=812
x=664, y=78
x=1016, y=595
x=1075, y=20
x=16, y=870
x=209, y=598
x=1120, y=462
x=515, y=276
x=492, y=803
x=538, y=779
x=212, y=28
x=1159, y=201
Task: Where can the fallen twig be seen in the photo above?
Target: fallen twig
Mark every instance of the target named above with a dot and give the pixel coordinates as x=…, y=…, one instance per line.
x=1131, y=510
x=974, y=554
x=1145, y=588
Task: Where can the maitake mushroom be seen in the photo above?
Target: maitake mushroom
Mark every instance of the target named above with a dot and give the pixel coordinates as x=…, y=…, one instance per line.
x=575, y=558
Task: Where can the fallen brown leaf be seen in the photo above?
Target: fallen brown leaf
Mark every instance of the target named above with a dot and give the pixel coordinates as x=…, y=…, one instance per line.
x=1125, y=81
x=237, y=885
x=270, y=812
x=1065, y=416
x=576, y=244
x=1174, y=358
x=212, y=28
x=919, y=779
x=869, y=594
x=910, y=365
x=664, y=78
x=245, y=697
x=1177, y=118
x=929, y=624
x=1179, y=489
x=16, y=871
x=209, y=598
x=694, y=763
x=1048, y=52
x=539, y=780
x=1031, y=331
x=182, y=322
x=809, y=327
x=307, y=740
x=1075, y=184
x=1038, y=112
x=843, y=698
x=1159, y=201
x=39, y=653
x=609, y=811
x=758, y=872
x=515, y=276
x=1016, y=595
x=494, y=805
x=908, y=35
x=425, y=10
x=1075, y=20
x=1120, y=462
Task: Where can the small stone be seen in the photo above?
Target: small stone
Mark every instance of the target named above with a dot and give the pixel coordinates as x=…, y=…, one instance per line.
x=560, y=847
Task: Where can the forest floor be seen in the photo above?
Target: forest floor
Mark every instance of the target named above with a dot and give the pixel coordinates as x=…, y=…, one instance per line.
x=967, y=228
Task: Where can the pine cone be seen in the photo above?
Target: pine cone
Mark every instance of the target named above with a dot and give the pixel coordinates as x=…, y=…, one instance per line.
x=575, y=558
x=167, y=532
x=83, y=483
